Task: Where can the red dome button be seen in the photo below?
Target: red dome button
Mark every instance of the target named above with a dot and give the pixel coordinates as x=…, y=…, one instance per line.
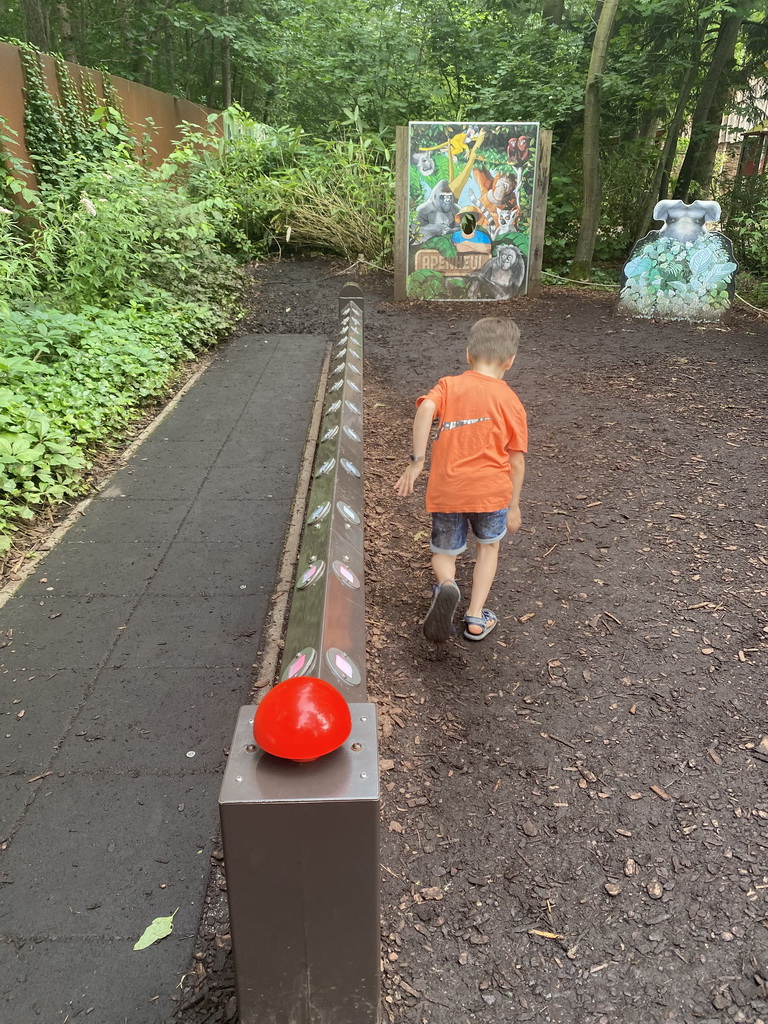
x=302, y=719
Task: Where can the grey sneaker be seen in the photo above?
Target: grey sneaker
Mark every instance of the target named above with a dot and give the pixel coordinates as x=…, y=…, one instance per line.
x=437, y=624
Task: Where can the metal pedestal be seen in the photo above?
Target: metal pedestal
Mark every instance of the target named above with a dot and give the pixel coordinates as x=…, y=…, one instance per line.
x=302, y=863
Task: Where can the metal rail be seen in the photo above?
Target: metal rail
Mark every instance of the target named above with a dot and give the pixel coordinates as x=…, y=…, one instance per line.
x=301, y=844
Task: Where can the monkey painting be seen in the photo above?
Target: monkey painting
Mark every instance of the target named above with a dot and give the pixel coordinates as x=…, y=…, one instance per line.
x=497, y=193
x=518, y=150
x=469, y=193
x=501, y=277
x=456, y=144
x=424, y=163
x=437, y=215
x=507, y=223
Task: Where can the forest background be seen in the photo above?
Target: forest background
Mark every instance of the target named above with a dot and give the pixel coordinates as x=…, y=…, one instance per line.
x=667, y=75
x=117, y=270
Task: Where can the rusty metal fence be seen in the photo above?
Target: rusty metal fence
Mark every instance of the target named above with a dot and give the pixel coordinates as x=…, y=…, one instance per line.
x=147, y=112
x=301, y=846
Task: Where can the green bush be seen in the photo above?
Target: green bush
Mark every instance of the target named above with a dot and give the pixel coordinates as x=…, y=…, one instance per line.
x=283, y=187
x=74, y=381
x=119, y=276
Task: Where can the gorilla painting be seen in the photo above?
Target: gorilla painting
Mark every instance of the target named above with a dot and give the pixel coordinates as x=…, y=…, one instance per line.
x=501, y=277
x=682, y=221
x=437, y=215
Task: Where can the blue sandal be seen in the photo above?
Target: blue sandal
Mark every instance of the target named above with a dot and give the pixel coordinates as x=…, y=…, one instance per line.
x=437, y=624
x=488, y=621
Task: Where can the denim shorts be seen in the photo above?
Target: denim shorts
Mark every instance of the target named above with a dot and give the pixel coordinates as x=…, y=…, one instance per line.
x=449, y=530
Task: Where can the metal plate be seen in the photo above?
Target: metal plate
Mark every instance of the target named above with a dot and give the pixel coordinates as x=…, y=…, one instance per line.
x=343, y=667
x=301, y=664
x=348, y=512
x=352, y=433
x=350, y=467
x=345, y=574
x=311, y=575
x=318, y=514
x=327, y=467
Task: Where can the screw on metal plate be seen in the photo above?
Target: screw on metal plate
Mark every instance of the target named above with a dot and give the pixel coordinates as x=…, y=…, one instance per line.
x=357, y=746
x=238, y=778
x=251, y=748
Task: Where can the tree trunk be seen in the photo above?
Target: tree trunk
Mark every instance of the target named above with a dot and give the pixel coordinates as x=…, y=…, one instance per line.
x=226, y=60
x=708, y=113
x=552, y=12
x=35, y=24
x=67, y=36
x=660, y=186
x=592, y=185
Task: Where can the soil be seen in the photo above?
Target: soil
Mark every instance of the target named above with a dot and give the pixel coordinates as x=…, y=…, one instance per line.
x=574, y=810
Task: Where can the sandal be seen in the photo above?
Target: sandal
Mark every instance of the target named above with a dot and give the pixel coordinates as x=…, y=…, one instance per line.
x=437, y=624
x=488, y=621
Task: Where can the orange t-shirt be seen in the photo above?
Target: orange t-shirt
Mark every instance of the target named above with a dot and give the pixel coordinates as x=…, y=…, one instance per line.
x=481, y=421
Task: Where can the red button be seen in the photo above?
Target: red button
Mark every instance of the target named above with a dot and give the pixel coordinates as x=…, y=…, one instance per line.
x=302, y=719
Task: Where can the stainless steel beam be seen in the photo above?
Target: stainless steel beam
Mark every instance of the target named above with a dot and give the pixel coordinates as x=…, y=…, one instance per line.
x=301, y=841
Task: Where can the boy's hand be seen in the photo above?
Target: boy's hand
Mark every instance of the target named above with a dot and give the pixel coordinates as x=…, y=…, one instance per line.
x=514, y=519
x=404, y=486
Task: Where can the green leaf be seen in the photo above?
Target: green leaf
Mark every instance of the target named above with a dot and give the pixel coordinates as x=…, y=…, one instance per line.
x=159, y=928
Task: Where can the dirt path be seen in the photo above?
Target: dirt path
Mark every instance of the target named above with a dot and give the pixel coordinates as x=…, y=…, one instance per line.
x=575, y=812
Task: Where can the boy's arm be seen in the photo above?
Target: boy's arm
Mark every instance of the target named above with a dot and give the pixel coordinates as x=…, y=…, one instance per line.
x=422, y=424
x=517, y=473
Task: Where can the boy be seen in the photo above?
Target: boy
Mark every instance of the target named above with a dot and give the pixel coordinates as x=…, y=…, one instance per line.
x=478, y=464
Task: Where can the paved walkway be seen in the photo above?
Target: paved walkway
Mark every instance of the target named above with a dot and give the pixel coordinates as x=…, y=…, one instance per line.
x=131, y=648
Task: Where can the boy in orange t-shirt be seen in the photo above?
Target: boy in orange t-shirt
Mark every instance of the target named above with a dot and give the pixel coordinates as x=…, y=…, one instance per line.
x=478, y=465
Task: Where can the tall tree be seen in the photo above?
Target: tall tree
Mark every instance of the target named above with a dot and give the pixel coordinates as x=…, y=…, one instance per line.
x=591, y=178
x=710, y=104
x=36, y=24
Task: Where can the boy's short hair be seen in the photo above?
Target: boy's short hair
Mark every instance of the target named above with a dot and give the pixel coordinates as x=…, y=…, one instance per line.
x=493, y=339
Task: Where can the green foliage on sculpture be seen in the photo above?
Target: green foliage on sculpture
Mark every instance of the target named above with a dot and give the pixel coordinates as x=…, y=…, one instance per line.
x=683, y=271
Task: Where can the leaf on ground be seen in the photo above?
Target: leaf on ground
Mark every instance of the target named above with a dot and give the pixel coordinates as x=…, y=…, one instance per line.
x=159, y=928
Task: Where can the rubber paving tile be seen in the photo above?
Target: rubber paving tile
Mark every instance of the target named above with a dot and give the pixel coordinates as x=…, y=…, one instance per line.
x=129, y=651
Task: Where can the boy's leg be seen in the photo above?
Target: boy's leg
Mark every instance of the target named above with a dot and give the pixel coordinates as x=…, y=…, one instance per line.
x=444, y=567
x=487, y=559
x=449, y=539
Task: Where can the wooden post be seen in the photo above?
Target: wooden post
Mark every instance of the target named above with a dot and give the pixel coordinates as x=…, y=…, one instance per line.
x=401, y=213
x=539, y=212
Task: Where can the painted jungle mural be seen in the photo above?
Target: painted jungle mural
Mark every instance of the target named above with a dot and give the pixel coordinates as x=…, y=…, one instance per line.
x=471, y=191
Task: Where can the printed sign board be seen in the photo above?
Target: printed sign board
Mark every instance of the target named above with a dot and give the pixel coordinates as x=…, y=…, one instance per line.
x=471, y=190
x=682, y=271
